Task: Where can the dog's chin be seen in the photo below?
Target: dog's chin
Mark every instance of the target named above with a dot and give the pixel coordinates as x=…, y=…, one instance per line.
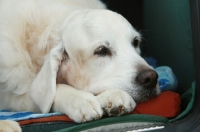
x=145, y=94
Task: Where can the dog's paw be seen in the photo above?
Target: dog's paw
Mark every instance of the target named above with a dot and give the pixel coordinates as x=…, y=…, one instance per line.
x=116, y=102
x=9, y=126
x=79, y=105
x=85, y=108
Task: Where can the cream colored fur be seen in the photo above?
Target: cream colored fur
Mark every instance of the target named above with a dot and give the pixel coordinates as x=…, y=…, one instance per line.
x=9, y=126
x=48, y=60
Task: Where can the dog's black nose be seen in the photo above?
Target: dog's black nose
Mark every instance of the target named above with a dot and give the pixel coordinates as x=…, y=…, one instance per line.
x=147, y=78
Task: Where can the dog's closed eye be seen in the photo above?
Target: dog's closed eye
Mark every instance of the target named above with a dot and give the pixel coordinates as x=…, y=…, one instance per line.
x=102, y=51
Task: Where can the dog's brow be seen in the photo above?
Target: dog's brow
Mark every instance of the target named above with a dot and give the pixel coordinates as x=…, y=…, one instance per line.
x=107, y=43
x=110, y=48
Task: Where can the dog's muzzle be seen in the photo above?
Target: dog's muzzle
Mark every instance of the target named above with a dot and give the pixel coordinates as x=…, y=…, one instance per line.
x=147, y=78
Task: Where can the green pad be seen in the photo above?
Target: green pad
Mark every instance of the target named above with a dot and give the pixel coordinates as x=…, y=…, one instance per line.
x=135, y=120
x=187, y=102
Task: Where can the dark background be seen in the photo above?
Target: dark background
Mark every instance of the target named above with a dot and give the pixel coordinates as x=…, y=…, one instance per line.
x=130, y=9
x=165, y=26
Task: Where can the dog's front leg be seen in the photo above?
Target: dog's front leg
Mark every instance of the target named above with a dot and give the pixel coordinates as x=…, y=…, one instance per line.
x=79, y=105
x=116, y=102
x=9, y=126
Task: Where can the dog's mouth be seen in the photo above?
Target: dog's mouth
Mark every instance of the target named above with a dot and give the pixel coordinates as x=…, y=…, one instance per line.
x=143, y=94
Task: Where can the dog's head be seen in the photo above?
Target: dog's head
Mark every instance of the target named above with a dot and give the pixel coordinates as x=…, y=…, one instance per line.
x=98, y=50
x=101, y=51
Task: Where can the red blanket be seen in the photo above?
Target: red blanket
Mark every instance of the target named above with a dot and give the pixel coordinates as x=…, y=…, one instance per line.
x=167, y=104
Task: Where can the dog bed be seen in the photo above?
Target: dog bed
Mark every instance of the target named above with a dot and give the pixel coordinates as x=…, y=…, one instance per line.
x=141, y=117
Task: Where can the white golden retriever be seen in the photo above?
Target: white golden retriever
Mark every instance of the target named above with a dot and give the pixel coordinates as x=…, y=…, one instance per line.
x=71, y=56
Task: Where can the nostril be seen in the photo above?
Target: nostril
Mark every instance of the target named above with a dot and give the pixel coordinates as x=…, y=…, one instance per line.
x=147, y=78
x=143, y=79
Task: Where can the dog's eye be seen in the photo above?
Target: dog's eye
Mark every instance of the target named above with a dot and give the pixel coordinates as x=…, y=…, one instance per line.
x=136, y=42
x=102, y=51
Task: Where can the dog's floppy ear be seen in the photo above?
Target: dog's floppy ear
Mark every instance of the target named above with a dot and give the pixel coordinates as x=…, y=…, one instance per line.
x=43, y=88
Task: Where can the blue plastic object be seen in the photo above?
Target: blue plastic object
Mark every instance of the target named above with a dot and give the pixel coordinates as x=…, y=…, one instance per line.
x=166, y=78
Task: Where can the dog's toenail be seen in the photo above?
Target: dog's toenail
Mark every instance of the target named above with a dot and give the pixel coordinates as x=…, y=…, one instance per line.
x=84, y=119
x=109, y=105
x=97, y=117
x=121, y=109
